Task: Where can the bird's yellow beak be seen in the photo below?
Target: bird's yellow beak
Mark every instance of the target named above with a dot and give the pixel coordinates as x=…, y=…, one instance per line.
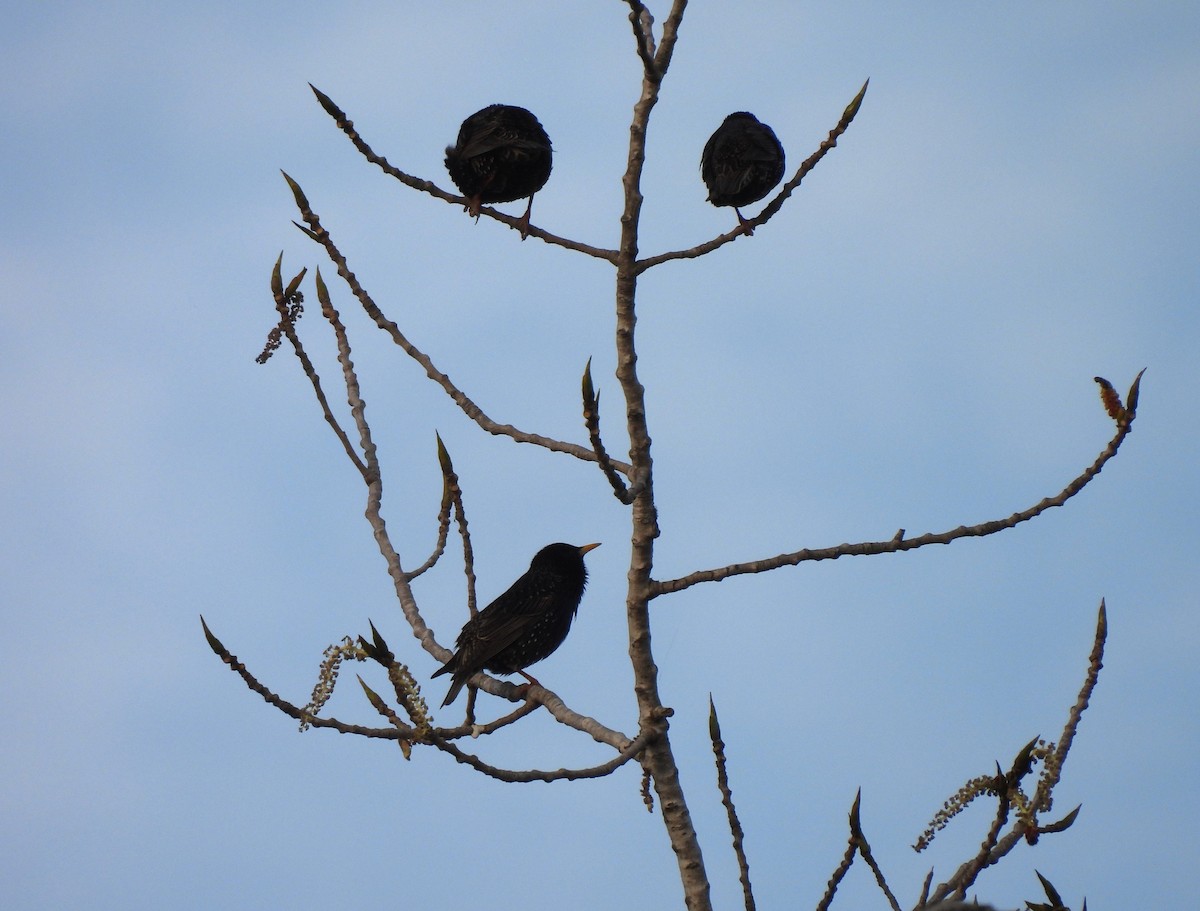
x=583, y=550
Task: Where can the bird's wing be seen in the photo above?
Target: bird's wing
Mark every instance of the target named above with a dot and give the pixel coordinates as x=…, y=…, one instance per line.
x=509, y=616
x=494, y=136
x=759, y=148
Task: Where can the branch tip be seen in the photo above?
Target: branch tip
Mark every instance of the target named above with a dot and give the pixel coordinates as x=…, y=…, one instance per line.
x=213, y=642
x=1132, y=398
x=277, y=277
x=301, y=199
x=852, y=108
x=855, y=811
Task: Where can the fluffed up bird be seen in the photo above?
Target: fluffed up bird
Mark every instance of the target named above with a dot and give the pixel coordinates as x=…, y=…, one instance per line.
x=741, y=163
x=526, y=623
x=502, y=154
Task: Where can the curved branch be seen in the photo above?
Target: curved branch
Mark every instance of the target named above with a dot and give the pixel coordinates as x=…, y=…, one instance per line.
x=901, y=543
x=427, y=186
x=283, y=705
x=318, y=233
x=479, y=730
x=775, y=204
x=632, y=749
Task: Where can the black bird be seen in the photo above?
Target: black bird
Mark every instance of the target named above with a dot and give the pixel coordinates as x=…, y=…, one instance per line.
x=742, y=161
x=502, y=154
x=526, y=623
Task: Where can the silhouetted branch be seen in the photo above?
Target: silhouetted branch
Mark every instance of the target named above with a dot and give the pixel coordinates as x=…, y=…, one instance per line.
x=283, y=705
x=899, y=542
x=317, y=232
x=1043, y=799
x=631, y=750
x=450, y=493
x=847, y=860
x=775, y=204
x=1026, y=826
x=735, y=825
x=591, y=419
x=864, y=849
x=287, y=302
x=427, y=186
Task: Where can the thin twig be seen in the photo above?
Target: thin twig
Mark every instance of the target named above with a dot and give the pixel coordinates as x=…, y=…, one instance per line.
x=288, y=327
x=428, y=186
x=591, y=419
x=1020, y=831
x=864, y=849
x=317, y=232
x=847, y=860
x=900, y=543
x=634, y=747
x=983, y=858
x=921, y=902
x=449, y=484
x=735, y=825
x=1043, y=799
x=775, y=204
x=283, y=705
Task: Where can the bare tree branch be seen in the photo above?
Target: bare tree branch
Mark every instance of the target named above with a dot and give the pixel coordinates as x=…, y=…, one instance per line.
x=287, y=325
x=643, y=34
x=847, y=860
x=658, y=760
x=428, y=186
x=1026, y=827
x=735, y=824
x=864, y=849
x=1043, y=800
x=283, y=705
x=451, y=494
x=899, y=542
x=775, y=204
x=634, y=747
x=317, y=232
x=591, y=419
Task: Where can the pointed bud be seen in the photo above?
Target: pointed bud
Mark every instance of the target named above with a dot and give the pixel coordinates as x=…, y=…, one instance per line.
x=852, y=108
x=301, y=199
x=277, y=277
x=1132, y=398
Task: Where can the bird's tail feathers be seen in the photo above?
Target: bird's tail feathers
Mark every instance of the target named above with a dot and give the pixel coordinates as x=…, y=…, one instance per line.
x=455, y=689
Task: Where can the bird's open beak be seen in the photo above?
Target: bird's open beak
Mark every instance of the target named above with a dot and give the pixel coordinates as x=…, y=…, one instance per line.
x=583, y=550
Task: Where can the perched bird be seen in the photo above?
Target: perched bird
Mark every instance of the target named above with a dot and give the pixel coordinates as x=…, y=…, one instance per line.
x=742, y=161
x=526, y=623
x=502, y=154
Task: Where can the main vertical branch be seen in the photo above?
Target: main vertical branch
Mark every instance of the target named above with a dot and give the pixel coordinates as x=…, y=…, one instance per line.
x=658, y=758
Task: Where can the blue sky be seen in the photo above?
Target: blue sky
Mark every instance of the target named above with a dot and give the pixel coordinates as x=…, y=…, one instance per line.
x=910, y=343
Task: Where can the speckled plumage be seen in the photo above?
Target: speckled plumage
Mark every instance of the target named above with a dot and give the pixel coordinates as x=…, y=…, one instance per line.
x=741, y=163
x=526, y=623
x=502, y=154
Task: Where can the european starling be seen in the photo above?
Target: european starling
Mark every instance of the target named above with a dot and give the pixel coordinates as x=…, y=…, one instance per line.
x=502, y=154
x=742, y=161
x=526, y=623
